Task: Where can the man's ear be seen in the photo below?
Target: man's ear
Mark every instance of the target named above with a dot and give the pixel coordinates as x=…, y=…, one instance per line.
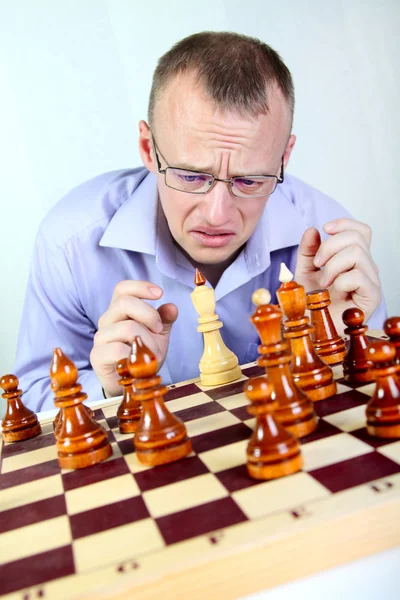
x=146, y=147
x=288, y=150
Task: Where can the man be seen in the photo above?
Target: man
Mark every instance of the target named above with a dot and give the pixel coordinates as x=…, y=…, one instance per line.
x=116, y=257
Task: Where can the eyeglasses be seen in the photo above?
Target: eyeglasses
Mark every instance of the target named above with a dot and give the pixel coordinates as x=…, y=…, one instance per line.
x=195, y=182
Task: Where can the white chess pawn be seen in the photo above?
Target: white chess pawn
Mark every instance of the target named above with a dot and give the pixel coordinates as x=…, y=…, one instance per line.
x=218, y=365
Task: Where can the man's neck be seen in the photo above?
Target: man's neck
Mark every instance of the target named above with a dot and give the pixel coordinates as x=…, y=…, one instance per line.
x=212, y=272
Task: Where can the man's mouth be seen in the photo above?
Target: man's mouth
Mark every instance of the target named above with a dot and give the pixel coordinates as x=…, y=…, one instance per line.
x=212, y=238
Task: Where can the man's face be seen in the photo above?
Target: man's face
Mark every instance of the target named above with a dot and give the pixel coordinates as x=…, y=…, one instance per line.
x=190, y=133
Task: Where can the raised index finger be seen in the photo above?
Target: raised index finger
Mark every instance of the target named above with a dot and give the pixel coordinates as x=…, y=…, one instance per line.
x=140, y=289
x=345, y=224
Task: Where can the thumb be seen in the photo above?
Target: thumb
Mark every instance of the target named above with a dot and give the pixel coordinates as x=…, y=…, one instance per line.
x=169, y=314
x=308, y=247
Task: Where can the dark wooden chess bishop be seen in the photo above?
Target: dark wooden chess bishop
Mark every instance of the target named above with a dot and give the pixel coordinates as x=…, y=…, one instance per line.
x=310, y=373
x=295, y=410
x=160, y=436
x=19, y=423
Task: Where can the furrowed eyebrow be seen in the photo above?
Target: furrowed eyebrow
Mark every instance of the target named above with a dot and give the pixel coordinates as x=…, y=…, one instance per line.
x=208, y=170
x=188, y=167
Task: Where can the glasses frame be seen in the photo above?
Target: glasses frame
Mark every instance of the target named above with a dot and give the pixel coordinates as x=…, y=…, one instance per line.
x=161, y=171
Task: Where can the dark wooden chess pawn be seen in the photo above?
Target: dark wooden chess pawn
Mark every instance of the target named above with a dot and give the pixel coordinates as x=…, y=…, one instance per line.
x=392, y=330
x=383, y=410
x=160, y=437
x=80, y=441
x=356, y=366
x=327, y=343
x=310, y=373
x=272, y=451
x=129, y=410
x=19, y=423
x=295, y=410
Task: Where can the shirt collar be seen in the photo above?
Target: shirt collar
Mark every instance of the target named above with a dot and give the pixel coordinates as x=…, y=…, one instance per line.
x=138, y=225
x=134, y=225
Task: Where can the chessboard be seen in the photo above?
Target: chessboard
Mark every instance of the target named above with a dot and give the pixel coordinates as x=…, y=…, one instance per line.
x=199, y=527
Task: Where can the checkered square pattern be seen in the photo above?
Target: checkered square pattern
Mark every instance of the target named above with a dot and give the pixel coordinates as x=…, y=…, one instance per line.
x=56, y=525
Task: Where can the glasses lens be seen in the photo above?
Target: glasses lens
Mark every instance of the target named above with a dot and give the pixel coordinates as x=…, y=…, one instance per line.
x=188, y=181
x=253, y=186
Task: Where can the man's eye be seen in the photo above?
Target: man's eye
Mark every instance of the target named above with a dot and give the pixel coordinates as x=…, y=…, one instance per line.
x=246, y=182
x=191, y=178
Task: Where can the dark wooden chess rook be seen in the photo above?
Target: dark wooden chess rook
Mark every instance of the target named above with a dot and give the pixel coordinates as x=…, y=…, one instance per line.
x=310, y=373
x=383, y=410
x=19, y=423
x=160, y=437
x=296, y=410
x=327, y=343
x=356, y=366
x=272, y=451
x=80, y=441
x=129, y=410
x=392, y=330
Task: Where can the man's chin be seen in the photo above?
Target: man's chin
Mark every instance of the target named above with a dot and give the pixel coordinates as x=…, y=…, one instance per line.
x=213, y=256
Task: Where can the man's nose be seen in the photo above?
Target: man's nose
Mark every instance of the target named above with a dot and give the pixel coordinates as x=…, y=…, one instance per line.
x=218, y=203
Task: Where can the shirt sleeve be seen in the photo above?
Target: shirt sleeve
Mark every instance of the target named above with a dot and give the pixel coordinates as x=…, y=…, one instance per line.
x=52, y=317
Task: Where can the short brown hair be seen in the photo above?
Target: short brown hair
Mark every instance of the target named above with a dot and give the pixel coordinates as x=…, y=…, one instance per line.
x=234, y=69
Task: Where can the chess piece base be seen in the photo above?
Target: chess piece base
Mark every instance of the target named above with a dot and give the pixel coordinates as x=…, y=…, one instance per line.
x=128, y=426
x=383, y=431
x=85, y=459
x=25, y=433
x=210, y=379
x=359, y=376
x=162, y=456
x=319, y=393
x=301, y=429
x=332, y=359
x=273, y=471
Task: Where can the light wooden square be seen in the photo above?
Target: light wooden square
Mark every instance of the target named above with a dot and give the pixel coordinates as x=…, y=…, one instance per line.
x=279, y=495
x=184, y=494
x=28, y=459
x=368, y=389
x=101, y=493
x=342, y=388
x=188, y=402
x=332, y=449
x=210, y=423
x=36, y=538
x=117, y=544
x=348, y=420
x=337, y=371
x=225, y=457
x=26, y=493
x=392, y=451
x=235, y=401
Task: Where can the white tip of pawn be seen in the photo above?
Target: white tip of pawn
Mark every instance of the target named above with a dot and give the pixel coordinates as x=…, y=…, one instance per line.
x=284, y=274
x=261, y=297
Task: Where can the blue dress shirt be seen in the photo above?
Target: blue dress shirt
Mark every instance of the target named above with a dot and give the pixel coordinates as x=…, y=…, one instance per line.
x=109, y=229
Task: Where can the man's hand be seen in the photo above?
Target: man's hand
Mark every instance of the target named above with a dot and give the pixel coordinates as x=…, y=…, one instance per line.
x=343, y=264
x=128, y=316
